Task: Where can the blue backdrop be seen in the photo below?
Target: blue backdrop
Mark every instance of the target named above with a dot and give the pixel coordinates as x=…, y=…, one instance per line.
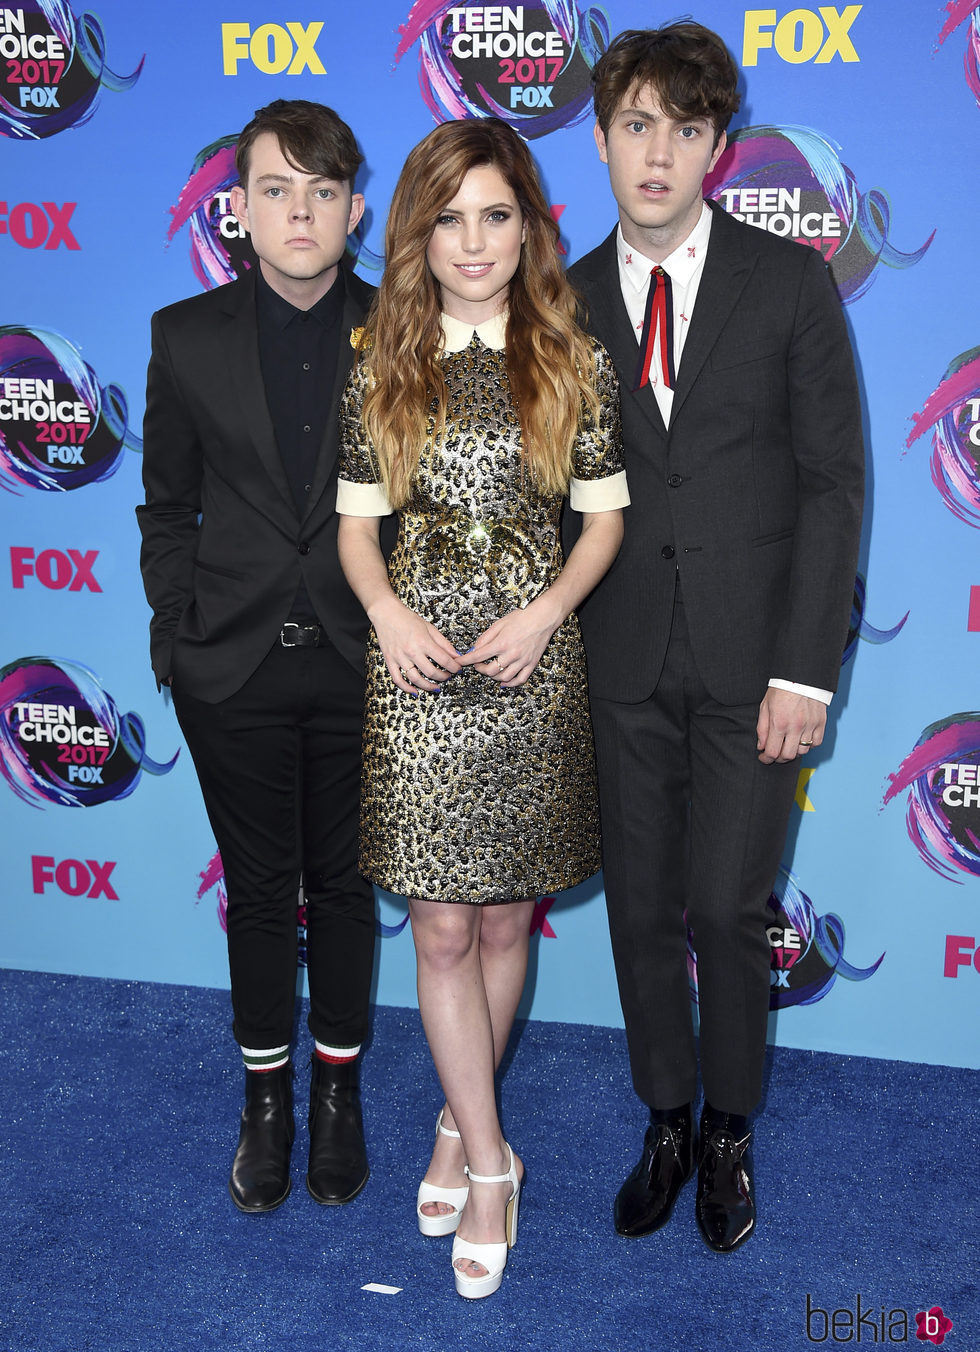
x=857, y=130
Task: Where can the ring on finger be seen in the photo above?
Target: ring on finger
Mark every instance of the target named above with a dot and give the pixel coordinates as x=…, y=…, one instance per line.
x=499, y=667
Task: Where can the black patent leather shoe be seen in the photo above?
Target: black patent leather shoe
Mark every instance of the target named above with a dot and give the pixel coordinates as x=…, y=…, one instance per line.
x=645, y=1201
x=260, y=1170
x=338, y=1157
x=724, y=1207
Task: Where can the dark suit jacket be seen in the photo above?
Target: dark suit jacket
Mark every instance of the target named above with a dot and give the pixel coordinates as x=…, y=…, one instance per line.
x=754, y=493
x=223, y=547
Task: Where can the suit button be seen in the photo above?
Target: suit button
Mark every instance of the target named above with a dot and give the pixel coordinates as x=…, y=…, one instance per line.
x=667, y=552
x=304, y=548
x=675, y=480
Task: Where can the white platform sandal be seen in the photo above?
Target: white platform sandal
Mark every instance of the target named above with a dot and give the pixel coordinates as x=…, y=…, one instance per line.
x=446, y=1223
x=491, y=1256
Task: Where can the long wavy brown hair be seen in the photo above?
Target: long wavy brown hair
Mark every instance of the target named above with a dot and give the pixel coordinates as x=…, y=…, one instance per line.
x=549, y=360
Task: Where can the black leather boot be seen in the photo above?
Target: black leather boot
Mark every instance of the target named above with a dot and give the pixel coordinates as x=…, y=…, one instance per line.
x=724, y=1207
x=646, y=1199
x=260, y=1170
x=338, y=1157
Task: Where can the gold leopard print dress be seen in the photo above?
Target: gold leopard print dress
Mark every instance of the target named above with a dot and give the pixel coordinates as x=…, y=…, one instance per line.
x=480, y=794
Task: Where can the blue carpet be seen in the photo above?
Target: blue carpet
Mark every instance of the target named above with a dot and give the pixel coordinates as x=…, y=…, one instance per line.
x=119, y=1111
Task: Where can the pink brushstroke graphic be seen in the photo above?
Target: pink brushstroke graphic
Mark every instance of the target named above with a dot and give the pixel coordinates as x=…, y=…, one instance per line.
x=81, y=79
x=952, y=410
x=959, y=12
x=803, y=161
x=453, y=87
x=212, y=259
x=217, y=258
x=942, y=832
x=214, y=876
x=539, y=918
x=62, y=739
x=422, y=15
x=29, y=461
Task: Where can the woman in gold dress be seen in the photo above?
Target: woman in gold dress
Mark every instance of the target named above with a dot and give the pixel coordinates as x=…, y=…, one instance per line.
x=475, y=406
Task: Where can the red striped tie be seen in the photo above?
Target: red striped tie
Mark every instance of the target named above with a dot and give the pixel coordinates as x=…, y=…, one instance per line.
x=658, y=318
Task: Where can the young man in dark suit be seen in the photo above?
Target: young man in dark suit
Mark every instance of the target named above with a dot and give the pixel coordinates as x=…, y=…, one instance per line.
x=715, y=640
x=258, y=635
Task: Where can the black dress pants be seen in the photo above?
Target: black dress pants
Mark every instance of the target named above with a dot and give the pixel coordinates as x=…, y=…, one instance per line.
x=693, y=827
x=279, y=768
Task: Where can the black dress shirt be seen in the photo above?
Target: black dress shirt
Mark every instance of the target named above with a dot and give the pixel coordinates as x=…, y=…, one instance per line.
x=298, y=352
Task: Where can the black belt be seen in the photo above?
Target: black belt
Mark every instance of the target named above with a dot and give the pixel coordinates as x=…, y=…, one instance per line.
x=302, y=636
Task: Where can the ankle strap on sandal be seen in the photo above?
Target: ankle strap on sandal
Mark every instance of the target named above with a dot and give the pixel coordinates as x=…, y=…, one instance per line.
x=492, y=1178
x=445, y=1131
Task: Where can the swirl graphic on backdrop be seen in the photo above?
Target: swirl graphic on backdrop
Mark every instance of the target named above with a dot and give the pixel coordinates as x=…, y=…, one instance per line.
x=959, y=12
x=859, y=627
x=63, y=741
x=59, y=428
x=529, y=64
x=807, y=949
x=213, y=876
x=221, y=248
x=52, y=69
x=943, y=782
x=953, y=411
x=791, y=181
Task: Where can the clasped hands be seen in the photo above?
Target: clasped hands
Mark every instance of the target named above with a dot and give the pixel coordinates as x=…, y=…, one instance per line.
x=421, y=659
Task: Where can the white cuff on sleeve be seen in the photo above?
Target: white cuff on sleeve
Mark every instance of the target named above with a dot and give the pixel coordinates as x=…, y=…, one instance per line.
x=811, y=691
x=599, y=495
x=361, y=499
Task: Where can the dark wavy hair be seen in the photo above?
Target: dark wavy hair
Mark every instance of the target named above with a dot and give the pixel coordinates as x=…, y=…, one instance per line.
x=311, y=136
x=688, y=66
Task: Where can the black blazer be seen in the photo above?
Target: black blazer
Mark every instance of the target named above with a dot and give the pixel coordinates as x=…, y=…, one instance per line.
x=754, y=493
x=223, y=548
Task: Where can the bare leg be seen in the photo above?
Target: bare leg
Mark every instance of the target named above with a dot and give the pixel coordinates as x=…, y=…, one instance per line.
x=471, y=967
x=504, y=933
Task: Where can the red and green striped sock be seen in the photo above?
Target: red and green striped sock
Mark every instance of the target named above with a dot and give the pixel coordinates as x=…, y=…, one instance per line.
x=256, y=1059
x=336, y=1056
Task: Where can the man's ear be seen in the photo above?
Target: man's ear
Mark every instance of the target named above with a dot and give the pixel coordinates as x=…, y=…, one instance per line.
x=356, y=210
x=600, y=140
x=239, y=206
x=719, y=151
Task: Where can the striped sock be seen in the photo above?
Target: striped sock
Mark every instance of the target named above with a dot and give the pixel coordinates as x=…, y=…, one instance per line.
x=336, y=1056
x=265, y=1060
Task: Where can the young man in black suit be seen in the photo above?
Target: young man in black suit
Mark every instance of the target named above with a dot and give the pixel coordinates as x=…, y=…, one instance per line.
x=258, y=635
x=715, y=640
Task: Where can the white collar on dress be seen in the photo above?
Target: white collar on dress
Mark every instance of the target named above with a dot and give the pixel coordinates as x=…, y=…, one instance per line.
x=456, y=336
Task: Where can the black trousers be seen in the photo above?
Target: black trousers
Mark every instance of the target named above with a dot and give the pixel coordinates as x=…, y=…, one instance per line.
x=279, y=767
x=693, y=826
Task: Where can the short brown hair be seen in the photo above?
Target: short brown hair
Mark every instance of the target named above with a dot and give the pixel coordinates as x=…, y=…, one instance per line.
x=689, y=67
x=311, y=136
